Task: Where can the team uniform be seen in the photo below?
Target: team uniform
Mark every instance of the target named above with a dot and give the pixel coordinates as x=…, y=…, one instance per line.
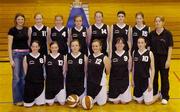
x=80, y=35
x=141, y=76
x=34, y=81
x=136, y=33
x=75, y=78
x=119, y=85
x=96, y=79
x=120, y=31
x=55, y=89
x=159, y=45
x=41, y=36
x=100, y=33
x=61, y=37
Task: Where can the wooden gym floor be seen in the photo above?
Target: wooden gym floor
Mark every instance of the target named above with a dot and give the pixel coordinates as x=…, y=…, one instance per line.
x=173, y=105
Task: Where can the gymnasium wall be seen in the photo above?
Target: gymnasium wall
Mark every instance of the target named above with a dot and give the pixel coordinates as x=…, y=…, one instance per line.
x=50, y=8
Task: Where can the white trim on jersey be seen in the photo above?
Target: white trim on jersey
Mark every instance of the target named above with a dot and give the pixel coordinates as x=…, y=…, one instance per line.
x=39, y=28
x=121, y=26
x=102, y=97
x=124, y=97
x=100, y=26
x=147, y=97
x=60, y=97
x=58, y=28
x=40, y=100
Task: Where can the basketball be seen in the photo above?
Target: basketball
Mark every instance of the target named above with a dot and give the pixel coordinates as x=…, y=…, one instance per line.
x=87, y=102
x=72, y=100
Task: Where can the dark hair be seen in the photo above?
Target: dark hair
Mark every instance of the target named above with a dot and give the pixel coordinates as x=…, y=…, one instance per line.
x=58, y=15
x=141, y=37
x=77, y=17
x=75, y=40
x=35, y=41
x=121, y=12
x=141, y=14
x=120, y=39
x=160, y=17
x=18, y=15
x=52, y=43
x=37, y=13
x=98, y=12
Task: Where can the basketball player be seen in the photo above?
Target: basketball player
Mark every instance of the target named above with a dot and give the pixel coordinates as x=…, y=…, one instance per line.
x=143, y=73
x=100, y=31
x=139, y=29
x=98, y=66
x=120, y=29
x=161, y=42
x=80, y=33
x=34, y=79
x=119, y=84
x=40, y=33
x=76, y=70
x=59, y=33
x=55, y=89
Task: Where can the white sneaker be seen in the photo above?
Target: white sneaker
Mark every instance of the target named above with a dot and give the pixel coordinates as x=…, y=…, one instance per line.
x=164, y=102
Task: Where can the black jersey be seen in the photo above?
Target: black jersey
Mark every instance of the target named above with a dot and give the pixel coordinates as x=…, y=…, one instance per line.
x=96, y=69
x=54, y=67
x=119, y=76
x=35, y=68
x=61, y=37
x=119, y=65
x=141, y=64
x=120, y=32
x=101, y=34
x=41, y=36
x=75, y=68
x=55, y=78
x=75, y=75
x=80, y=35
x=136, y=33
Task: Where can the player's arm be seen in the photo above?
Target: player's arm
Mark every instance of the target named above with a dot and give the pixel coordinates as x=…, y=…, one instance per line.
x=65, y=65
x=29, y=35
x=89, y=35
x=132, y=80
x=107, y=64
x=25, y=65
x=86, y=64
x=10, y=40
x=110, y=42
x=148, y=40
x=152, y=69
x=130, y=40
x=108, y=38
x=130, y=62
x=48, y=37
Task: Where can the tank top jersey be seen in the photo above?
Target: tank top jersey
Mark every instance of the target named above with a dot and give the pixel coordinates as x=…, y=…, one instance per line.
x=61, y=37
x=120, y=32
x=35, y=68
x=80, y=35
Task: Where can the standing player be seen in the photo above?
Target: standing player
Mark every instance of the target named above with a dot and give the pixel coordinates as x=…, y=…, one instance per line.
x=161, y=43
x=120, y=29
x=76, y=70
x=80, y=33
x=143, y=73
x=55, y=69
x=34, y=79
x=59, y=33
x=40, y=33
x=119, y=84
x=18, y=48
x=100, y=31
x=98, y=66
x=140, y=29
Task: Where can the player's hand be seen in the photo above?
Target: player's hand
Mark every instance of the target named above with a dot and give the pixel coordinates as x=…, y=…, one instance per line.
x=12, y=63
x=167, y=64
x=150, y=87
